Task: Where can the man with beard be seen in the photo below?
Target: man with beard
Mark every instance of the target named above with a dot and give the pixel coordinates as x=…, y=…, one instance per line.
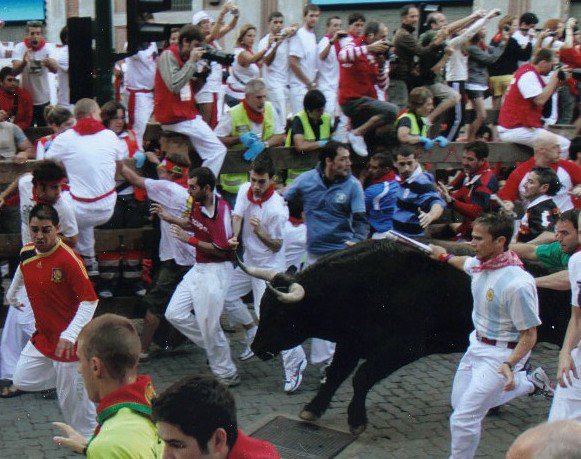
x=380, y=195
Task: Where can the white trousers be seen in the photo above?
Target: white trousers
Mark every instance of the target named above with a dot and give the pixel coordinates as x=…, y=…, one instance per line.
x=322, y=351
x=142, y=113
x=89, y=215
x=297, y=96
x=203, y=139
x=195, y=309
x=567, y=401
x=18, y=329
x=527, y=136
x=477, y=388
x=35, y=372
x=278, y=97
x=331, y=105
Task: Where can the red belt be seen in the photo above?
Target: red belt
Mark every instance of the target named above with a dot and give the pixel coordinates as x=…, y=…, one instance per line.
x=139, y=90
x=493, y=342
x=98, y=198
x=131, y=105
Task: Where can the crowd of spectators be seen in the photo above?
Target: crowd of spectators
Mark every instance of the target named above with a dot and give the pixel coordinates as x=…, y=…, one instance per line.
x=360, y=89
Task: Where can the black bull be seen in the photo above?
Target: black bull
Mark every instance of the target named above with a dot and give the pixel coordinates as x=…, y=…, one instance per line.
x=385, y=304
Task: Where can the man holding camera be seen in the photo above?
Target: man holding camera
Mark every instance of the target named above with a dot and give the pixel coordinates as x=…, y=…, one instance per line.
x=177, y=79
x=520, y=116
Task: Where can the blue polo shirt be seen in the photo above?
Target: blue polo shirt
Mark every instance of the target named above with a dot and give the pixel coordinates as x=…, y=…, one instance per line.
x=329, y=209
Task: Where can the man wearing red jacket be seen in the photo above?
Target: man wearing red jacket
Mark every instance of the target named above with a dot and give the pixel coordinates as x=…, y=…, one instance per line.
x=546, y=154
x=15, y=102
x=520, y=116
x=471, y=191
x=177, y=79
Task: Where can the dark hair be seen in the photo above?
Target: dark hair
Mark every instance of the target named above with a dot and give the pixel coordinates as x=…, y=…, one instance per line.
x=310, y=7
x=114, y=340
x=372, y=27
x=544, y=54
x=109, y=111
x=329, y=19
x=403, y=150
x=548, y=176
x=295, y=208
x=56, y=114
x=34, y=25
x=330, y=151
x=205, y=177
x=47, y=171
x=6, y=71
x=64, y=35
x=262, y=165
x=44, y=212
x=354, y=17
x=314, y=99
x=198, y=405
x=383, y=159
x=405, y=10
x=574, y=148
x=529, y=19
x=191, y=32
x=497, y=224
x=571, y=215
x=418, y=97
x=274, y=14
x=478, y=147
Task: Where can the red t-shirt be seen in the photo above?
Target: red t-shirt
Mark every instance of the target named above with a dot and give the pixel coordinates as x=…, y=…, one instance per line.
x=252, y=448
x=56, y=282
x=215, y=229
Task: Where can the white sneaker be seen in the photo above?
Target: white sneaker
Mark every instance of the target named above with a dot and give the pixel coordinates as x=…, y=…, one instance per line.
x=358, y=144
x=229, y=381
x=294, y=377
x=247, y=352
x=542, y=383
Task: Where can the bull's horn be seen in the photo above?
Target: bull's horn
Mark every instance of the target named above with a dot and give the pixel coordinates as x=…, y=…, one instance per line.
x=264, y=274
x=296, y=293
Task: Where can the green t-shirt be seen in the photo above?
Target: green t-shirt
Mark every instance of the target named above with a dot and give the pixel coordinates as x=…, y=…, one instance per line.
x=126, y=435
x=552, y=256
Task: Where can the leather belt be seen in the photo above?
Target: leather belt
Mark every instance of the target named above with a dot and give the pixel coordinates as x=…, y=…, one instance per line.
x=493, y=342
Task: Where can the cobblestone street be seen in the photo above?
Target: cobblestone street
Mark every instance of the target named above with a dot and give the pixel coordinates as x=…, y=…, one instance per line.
x=408, y=412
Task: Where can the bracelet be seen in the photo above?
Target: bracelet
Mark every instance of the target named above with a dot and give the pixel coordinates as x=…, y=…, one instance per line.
x=509, y=365
x=194, y=241
x=444, y=257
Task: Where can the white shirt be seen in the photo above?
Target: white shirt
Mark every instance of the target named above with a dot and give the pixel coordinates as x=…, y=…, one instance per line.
x=505, y=301
x=34, y=77
x=240, y=75
x=90, y=160
x=562, y=198
x=214, y=80
x=304, y=46
x=63, y=89
x=174, y=199
x=295, y=244
x=64, y=208
x=273, y=215
x=328, y=76
x=529, y=85
x=457, y=65
x=574, y=268
x=140, y=72
x=276, y=75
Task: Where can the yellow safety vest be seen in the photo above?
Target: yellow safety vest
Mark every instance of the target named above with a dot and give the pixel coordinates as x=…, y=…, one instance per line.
x=415, y=127
x=241, y=124
x=309, y=134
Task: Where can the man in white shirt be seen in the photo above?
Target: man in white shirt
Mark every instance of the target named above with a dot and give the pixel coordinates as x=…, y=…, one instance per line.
x=62, y=59
x=91, y=156
x=328, y=63
x=303, y=58
x=275, y=70
x=34, y=59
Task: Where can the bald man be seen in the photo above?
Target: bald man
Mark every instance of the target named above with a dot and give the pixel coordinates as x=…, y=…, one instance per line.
x=91, y=155
x=550, y=440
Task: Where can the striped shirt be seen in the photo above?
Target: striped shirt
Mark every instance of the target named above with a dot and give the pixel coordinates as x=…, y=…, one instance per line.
x=505, y=301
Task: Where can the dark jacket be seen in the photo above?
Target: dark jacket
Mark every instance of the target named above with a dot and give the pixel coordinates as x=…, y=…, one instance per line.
x=406, y=49
x=508, y=61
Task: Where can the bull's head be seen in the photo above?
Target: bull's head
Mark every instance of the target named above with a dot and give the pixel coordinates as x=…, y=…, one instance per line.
x=281, y=312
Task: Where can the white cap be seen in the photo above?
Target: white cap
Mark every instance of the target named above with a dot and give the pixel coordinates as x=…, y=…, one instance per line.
x=200, y=16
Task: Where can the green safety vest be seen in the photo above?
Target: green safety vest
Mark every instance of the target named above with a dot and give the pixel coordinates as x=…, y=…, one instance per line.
x=309, y=134
x=241, y=124
x=415, y=127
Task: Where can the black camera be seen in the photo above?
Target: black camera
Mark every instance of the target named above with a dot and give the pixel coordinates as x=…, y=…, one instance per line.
x=506, y=28
x=215, y=55
x=343, y=35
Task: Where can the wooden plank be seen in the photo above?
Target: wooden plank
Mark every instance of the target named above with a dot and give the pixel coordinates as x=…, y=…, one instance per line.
x=566, y=130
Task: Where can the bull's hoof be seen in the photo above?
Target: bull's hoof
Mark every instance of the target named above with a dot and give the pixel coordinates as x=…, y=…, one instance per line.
x=308, y=416
x=358, y=430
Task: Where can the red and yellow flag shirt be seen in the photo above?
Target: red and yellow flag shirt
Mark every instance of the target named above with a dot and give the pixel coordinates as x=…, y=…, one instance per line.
x=56, y=283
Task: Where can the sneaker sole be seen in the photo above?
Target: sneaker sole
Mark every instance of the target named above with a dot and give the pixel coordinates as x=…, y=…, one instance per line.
x=302, y=367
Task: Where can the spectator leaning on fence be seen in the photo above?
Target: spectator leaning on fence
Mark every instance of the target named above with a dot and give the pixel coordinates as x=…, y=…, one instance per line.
x=15, y=102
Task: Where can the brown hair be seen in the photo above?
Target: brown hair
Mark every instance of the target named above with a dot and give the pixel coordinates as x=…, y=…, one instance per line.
x=418, y=97
x=506, y=21
x=56, y=114
x=109, y=111
x=243, y=31
x=552, y=24
x=114, y=340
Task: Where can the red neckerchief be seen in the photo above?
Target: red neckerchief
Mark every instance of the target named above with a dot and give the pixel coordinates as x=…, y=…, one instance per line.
x=295, y=221
x=136, y=396
x=38, y=47
x=387, y=177
x=42, y=201
x=183, y=179
x=253, y=115
x=497, y=38
x=267, y=195
x=508, y=258
x=88, y=126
